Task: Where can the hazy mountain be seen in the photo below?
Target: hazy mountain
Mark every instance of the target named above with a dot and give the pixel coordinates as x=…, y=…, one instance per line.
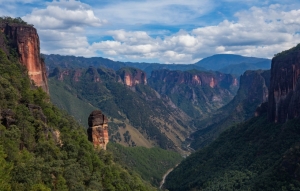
x=74, y=62
x=239, y=69
x=234, y=64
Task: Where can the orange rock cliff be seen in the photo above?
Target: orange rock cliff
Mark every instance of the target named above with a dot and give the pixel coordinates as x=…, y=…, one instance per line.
x=132, y=76
x=98, y=129
x=25, y=40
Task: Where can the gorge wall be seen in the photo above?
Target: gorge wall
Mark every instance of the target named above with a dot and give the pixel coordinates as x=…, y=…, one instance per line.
x=198, y=93
x=25, y=40
x=284, y=93
x=132, y=76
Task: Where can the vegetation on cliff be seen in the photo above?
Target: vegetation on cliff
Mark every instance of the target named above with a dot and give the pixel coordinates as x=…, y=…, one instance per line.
x=42, y=148
x=10, y=20
x=255, y=155
x=253, y=91
x=197, y=93
x=140, y=106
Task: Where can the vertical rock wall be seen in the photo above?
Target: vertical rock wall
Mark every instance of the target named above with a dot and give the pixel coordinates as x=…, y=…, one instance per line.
x=132, y=76
x=284, y=93
x=26, y=40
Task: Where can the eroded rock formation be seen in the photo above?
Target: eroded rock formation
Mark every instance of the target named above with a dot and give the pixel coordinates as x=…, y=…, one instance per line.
x=132, y=76
x=284, y=93
x=201, y=78
x=98, y=129
x=26, y=41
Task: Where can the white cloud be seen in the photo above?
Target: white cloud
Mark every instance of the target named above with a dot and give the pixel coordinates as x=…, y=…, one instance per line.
x=63, y=15
x=155, y=11
x=260, y=32
x=62, y=27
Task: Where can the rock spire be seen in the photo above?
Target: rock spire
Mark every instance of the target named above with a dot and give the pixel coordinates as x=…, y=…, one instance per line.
x=98, y=129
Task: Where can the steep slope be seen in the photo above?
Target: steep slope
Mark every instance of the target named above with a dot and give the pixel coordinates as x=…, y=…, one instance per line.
x=219, y=61
x=285, y=86
x=43, y=149
x=24, y=40
x=150, y=163
x=252, y=92
x=197, y=93
x=76, y=107
x=125, y=98
x=255, y=155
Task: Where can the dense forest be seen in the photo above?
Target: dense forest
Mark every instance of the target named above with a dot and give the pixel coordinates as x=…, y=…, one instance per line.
x=254, y=155
x=150, y=163
x=42, y=148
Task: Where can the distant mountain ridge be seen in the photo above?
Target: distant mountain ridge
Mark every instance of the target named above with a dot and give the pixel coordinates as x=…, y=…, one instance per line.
x=219, y=61
x=225, y=63
x=74, y=62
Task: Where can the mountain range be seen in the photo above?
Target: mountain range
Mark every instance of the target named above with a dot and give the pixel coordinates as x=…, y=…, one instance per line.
x=225, y=63
x=235, y=132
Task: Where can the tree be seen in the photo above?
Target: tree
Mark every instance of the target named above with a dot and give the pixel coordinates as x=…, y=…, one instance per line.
x=5, y=169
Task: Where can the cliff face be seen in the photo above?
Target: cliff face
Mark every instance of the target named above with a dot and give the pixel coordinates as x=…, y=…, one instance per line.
x=98, y=129
x=210, y=79
x=26, y=41
x=284, y=94
x=255, y=84
x=196, y=92
x=253, y=91
x=132, y=76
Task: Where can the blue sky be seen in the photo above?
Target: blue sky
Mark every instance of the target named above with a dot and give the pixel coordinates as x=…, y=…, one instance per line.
x=165, y=31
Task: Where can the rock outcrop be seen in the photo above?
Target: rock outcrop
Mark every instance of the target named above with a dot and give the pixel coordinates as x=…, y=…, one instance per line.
x=198, y=93
x=254, y=85
x=195, y=77
x=249, y=101
x=284, y=93
x=25, y=40
x=132, y=76
x=98, y=129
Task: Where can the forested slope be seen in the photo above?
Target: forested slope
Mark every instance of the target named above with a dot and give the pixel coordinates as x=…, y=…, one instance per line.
x=42, y=148
x=255, y=155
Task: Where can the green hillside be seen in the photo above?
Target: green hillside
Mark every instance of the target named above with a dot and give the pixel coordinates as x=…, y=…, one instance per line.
x=42, y=148
x=151, y=163
x=69, y=102
x=139, y=108
x=255, y=155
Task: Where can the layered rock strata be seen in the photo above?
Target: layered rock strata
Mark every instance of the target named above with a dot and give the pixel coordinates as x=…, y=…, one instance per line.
x=98, y=130
x=211, y=79
x=132, y=76
x=25, y=40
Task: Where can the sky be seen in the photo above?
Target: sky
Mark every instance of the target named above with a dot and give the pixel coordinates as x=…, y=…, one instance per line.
x=164, y=31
